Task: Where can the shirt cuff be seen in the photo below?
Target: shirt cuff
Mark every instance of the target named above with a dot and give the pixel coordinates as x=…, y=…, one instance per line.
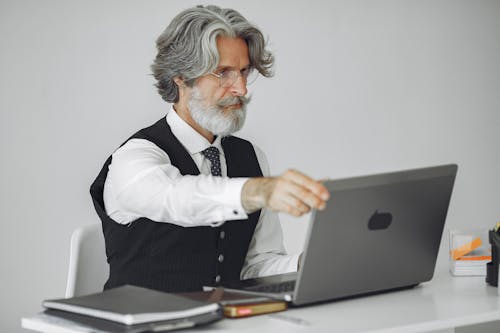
x=233, y=193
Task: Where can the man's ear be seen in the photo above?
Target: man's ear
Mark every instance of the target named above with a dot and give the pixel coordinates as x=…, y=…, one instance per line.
x=179, y=82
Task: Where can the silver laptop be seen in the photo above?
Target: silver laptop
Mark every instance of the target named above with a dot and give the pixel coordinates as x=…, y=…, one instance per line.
x=378, y=233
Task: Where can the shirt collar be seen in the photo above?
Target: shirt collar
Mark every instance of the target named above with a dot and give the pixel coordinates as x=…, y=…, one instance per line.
x=193, y=141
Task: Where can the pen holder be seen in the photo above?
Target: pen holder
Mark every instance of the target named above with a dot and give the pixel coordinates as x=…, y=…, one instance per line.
x=492, y=266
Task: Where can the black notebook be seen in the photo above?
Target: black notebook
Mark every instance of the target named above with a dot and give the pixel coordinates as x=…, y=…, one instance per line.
x=59, y=321
x=131, y=305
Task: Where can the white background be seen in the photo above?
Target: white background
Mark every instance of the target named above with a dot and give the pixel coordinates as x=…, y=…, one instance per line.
x=360, y=87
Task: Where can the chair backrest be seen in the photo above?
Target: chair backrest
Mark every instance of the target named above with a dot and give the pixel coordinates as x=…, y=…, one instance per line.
x=88, y=268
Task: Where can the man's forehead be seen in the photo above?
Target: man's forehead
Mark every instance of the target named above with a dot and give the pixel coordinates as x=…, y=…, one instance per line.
x=233, y=52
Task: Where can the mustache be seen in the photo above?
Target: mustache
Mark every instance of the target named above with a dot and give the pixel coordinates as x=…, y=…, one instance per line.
x=243, y=100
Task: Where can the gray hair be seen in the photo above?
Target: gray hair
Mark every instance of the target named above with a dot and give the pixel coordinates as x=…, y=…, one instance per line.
x=188, y=47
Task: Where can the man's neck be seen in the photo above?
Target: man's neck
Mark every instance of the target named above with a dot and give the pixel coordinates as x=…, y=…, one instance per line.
x=184, y=114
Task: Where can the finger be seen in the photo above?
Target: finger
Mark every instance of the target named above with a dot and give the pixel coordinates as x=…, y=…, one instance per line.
x=310, y=184
x=285, y=208
x=296, y=203
x=284, y=201
x=292, y=210
x=305, y=196
x=287, y=203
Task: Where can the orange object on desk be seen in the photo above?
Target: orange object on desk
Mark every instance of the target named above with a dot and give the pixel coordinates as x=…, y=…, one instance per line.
x=475, y=258
x=466, y=248
x=246, y=310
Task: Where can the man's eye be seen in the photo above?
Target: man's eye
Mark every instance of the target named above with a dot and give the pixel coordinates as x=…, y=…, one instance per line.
x=222, y=72
x=246, y=71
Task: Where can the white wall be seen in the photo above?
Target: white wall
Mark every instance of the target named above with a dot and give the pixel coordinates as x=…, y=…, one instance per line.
x=360, y=87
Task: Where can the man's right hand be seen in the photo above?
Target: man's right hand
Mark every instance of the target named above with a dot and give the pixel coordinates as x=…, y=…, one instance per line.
x=292, y=192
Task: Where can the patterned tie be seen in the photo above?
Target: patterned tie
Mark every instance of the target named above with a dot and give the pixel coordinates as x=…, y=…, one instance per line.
x=212, y=153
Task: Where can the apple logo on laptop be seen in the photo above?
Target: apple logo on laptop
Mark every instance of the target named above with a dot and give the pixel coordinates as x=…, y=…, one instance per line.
x=380, y=221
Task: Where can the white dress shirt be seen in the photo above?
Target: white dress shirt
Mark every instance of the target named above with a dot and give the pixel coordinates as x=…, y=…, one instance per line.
x=142, y=182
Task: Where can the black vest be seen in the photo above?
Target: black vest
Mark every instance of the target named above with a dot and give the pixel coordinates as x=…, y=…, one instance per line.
x=168, y=257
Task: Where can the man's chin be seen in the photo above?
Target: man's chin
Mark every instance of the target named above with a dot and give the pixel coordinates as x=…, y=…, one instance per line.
x=224, y=120
x=229, y=129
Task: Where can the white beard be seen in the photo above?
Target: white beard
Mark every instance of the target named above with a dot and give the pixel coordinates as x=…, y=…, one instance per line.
x=214, y=118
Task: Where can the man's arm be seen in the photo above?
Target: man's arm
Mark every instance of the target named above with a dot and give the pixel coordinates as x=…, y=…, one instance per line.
x=142, y=182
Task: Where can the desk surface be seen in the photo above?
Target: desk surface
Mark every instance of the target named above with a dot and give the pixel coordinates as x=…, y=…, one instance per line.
x=442, y=303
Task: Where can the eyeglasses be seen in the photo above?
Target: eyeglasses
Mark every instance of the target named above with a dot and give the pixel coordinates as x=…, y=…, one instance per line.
x=228, y=77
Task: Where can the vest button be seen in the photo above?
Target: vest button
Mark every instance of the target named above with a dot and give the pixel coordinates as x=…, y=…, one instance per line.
x=222, y=234
x=217, y=279
x=221, y=258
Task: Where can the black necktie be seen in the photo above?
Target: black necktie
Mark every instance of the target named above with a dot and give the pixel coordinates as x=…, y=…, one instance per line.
x=212, y=153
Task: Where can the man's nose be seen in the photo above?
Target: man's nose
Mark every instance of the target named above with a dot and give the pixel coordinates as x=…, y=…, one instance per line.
x=239, y=87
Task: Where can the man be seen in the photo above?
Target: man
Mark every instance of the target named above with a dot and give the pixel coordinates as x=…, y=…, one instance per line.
x=183, y=204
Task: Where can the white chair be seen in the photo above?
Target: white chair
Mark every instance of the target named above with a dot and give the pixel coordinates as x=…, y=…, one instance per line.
x=88, y=268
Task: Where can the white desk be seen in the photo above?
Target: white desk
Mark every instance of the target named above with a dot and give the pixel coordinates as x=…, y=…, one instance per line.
x=445, y=302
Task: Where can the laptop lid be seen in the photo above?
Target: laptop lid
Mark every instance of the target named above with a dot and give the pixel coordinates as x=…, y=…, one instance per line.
x=378, y=232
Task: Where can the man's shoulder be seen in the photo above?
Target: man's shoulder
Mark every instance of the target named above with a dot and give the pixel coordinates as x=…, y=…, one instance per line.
x=157, y=130
x=154, y=133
